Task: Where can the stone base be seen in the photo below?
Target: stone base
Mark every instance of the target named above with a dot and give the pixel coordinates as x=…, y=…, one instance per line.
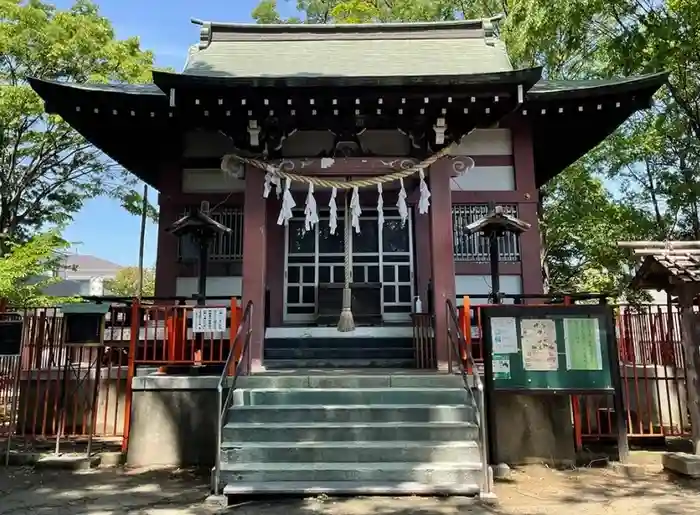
x=630, y=470
x=68, y=462
x=682, y=463
x=488, y=498
x=216, y=501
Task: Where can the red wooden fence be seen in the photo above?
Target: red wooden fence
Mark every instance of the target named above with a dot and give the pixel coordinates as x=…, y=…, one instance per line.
x=652, y=367
x=150, y=335
x=51, y=374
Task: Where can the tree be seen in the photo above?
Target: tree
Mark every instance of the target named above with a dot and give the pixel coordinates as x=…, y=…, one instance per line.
x=578, y=222
x=27, y=268
x=126, y=282
x=47, y=170
x=361, y=11
x=580, y=218
x=588, y=39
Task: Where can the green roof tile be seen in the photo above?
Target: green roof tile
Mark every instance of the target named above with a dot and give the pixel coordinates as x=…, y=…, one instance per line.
x=380, y=50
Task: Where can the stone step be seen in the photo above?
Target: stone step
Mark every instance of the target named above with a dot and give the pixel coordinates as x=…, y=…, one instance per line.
x=429, y=473
x=302, y=342
x=327, y=432
x=339, y=364
x=353, y=413
x=359, y=452
x=341, y=353
x=340, y=396
x=331, y=379
x=300, y=488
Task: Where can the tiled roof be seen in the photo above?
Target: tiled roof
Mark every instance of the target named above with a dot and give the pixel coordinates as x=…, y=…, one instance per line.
x=666, y=270
x=84, y=263
x=685, y=266
x=371, y=50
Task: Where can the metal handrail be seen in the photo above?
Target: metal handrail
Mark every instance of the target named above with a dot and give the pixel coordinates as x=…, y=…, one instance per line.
x=478, y=403
x=240, y=368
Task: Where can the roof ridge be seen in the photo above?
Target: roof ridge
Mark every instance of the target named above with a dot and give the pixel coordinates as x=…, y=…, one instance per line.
x=208, y=28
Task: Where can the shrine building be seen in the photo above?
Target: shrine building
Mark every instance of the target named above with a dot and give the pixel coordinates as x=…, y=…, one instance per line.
x=349, y=103
x=346, y=158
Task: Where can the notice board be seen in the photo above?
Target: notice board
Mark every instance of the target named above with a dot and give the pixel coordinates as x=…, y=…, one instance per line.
x=555, y=348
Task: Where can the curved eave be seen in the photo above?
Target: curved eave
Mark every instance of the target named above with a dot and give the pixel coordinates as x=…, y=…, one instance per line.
x=54, y=92
x=560, y=140
x=546, y=91
x=134, y=141
x=528, y=77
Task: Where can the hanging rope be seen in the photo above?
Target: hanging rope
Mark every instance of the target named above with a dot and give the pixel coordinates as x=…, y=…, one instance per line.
x=346, y=322
x=274, y=173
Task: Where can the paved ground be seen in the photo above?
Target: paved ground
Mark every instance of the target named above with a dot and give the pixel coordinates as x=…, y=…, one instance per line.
x=531, y=491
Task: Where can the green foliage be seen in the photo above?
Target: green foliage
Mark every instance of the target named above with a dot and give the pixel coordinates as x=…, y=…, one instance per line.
x=579, y=230
x=366, y=11
x=47, y=170
x=643, y=181
x=654, y=160
x=126, y=282
x=26, y=269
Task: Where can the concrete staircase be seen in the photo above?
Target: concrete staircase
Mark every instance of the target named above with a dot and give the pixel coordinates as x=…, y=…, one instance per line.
x=319, y=348
x=334, y=433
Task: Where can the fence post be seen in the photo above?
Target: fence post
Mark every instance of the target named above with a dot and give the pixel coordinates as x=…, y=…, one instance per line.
x=235, y=322
x=134, y=337
x=466, y=332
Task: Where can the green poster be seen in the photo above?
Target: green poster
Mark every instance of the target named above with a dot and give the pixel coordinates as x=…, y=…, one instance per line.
x=501, y=366
x=582, y=341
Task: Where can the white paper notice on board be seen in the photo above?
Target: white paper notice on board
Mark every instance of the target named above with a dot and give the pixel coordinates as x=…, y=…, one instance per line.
x=208, y=320
x=504, y=335
x=539, y=341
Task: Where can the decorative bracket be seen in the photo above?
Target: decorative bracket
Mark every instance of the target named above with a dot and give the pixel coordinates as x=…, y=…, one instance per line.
x=440, y=127
x=254, y=133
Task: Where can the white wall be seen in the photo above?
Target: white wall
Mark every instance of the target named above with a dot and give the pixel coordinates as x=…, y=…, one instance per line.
x=211, y=180
x=485, y=178
x=216, y=287
x=487, y=142
x=481, y=285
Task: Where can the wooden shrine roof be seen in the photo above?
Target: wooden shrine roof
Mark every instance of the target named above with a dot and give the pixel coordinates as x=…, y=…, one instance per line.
x=542, y=91
x=309, y=77
x=666, y=266
x=349, y=50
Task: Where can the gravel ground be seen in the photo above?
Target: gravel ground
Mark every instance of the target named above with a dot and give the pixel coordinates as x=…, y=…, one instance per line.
x=530, y=491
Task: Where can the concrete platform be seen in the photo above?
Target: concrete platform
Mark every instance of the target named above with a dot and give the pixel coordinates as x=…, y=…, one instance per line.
x=682, y=463
x=348, y=488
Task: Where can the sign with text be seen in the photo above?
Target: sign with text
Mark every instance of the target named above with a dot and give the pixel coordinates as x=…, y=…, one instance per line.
x=209, y=320
x=554, y=348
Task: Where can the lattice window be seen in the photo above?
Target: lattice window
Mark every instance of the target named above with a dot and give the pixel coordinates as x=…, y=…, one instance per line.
x=226, y=247
x=475, y=248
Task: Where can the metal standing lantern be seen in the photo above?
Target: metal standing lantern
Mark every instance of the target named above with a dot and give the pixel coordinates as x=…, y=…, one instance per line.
x=11, y=331
x=83, y=329
x=495, y=224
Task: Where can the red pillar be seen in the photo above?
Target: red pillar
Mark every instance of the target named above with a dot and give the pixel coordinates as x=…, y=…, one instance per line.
x=530, y=245
x=442, y=254
x=166, y=257
x=255, y=259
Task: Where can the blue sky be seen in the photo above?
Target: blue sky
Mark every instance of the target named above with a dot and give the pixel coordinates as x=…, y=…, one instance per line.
x=165, y=28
